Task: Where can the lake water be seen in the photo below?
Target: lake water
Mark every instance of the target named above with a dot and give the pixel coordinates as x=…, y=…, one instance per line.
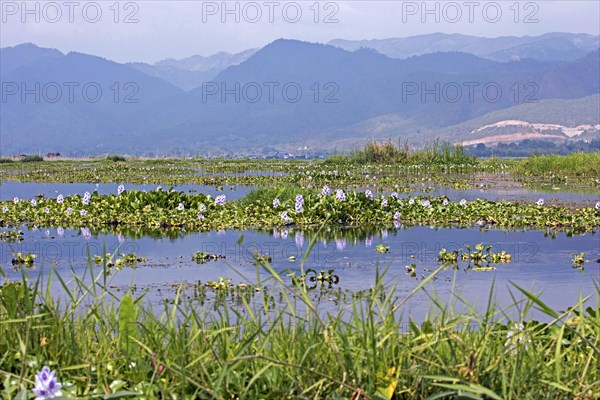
x=539, y=263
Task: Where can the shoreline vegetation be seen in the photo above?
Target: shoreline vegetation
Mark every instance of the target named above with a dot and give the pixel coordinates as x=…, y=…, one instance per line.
x=382, y=161
x=271, y=339
x=109, y=345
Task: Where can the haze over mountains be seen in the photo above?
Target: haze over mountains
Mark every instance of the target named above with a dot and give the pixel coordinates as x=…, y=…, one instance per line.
x=291, y=94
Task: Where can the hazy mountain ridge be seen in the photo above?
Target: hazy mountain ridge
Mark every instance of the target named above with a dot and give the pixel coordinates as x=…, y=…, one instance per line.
x=346, y=98
x=554, y=46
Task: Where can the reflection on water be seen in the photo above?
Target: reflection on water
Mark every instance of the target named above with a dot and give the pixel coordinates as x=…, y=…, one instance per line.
x=539, y=261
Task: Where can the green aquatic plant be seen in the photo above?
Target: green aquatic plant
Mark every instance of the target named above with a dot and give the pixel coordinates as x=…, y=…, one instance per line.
x=200, y=257
x=26, y=260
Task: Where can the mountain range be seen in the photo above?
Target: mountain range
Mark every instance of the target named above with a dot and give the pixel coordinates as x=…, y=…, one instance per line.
x=290, y=94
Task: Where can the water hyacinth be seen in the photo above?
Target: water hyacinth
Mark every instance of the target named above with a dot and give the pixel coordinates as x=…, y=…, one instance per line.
x=540, y=202
x=325, y=191
x=60, y=199
x=181, y=207
x=340, y=195
x=16, y=200
x=220, y=200
x=4, y=209
x=299, y=207
x=369, y=194
x=82, y=212
x=384, y=202
x=69, y=210
x=46, y=210
x=276, y=202
x=285, y=218
x=397, y=215
x=397, y=225
x=411, y=201
x=121, y=189
x=33, y=202
x=200, y=217
x=202, y=207
x=463, y=202
x=394, y=195
x=445, y=202
x=598, y=205
x=46, y=385
x=299, y=199
x=426, y=204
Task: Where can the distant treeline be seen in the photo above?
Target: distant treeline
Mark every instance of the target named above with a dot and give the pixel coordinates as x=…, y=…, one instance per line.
x=528, y=147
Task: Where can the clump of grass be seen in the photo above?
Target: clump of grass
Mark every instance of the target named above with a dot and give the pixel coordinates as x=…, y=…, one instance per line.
x=32, y=158
x=434, y=153
x=116, y=158
x=577, y=164
x=5, y=160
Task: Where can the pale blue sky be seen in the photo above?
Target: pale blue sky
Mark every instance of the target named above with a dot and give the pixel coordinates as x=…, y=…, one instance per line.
x=160, y=29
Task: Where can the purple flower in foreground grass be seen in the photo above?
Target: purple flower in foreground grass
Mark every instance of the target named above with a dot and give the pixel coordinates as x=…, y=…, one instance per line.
x=397, y=215
x=326, y=191
x=598, y=205
x=540, y=202
x=46, y=210
x=369, y=194
x=384, y=202
x=411, y=201
x=181, y=207
x=276, y=202
x=46, y=386
x=82, y=212
x=463, y=202
x=16, y=200
x=200, y=217
x=4, y=209
x=33, y=202
x=285, y=218
x=121, y=189
x=69, y=210
x=340, y=195
x=60, y=199
x=220, y=200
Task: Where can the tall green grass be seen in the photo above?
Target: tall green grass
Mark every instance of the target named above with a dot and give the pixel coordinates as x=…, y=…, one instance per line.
x=386, y=152
x=102, y=343
x=573, y=165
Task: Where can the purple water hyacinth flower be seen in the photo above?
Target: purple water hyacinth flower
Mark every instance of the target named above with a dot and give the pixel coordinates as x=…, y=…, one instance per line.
x=60, y=199
x=69, y=210
x=397, y=215
x=285, y=218
x=445, y=202
x=299, y=199
x=200, y=217
x=598, y=205
x=325, y=191
x=4, y=209
x=463, y=202
x=384, y=202
x=540, y=202
x=411, y=201
x=394, y=195
x=299, y=208
x=46, y=210
x=397, y=224
x=46, y=385
x=276, y=202
x=121, y=189
x=82, y=212
x=202, y=207
x=220, y=200
x=180, y=207
x=369, y=194
x=15, y=200
x=426, y=203
x=340, y=195
x=33, y=202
